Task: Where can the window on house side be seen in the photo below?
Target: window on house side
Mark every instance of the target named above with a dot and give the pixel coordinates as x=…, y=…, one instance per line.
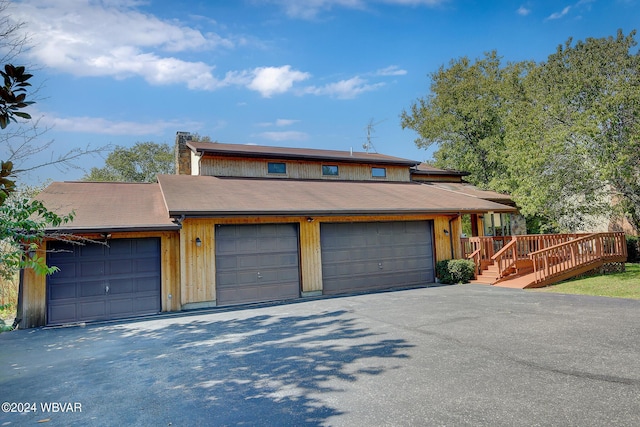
x=280, y=168
x=379, y=172
x=331, y=170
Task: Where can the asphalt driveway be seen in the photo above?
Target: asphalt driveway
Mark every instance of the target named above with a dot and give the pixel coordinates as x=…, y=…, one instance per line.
x=456, y=355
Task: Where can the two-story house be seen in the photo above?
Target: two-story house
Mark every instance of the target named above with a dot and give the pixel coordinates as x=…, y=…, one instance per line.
x=244, y=223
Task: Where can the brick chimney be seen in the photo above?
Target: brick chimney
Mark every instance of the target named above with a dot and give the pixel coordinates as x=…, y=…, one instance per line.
x=183, y=153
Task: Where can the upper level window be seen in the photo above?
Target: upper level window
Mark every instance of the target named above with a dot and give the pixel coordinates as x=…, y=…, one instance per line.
x=273, y=167
x=330, y=170
x=379, y=172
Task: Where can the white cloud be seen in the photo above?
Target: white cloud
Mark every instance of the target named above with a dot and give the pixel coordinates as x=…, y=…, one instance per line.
x=285, y=122
x=115, y=39
x=344, y=89
x=309, y=9
x=558, y=15
x=391, y=70
x=86, y=38
x=98, y=125
x=524, y=11
x=267, y=80
x=284, y=136
x=278, y=123
x=275, y=80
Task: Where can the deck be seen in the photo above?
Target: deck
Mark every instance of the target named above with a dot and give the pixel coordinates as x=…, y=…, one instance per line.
x=530, y=261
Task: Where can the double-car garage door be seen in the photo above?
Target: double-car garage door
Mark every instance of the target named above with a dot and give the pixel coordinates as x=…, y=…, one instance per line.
x=99, y=282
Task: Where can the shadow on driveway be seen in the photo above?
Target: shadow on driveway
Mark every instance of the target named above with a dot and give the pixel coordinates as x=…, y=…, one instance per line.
x=202, y=370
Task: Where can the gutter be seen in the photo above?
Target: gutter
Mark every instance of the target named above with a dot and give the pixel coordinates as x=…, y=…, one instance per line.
x=106, y=229
x=391, y=212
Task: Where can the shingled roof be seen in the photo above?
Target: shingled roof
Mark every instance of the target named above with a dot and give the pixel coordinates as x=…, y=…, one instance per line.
x=214, y=196
x=108, y=206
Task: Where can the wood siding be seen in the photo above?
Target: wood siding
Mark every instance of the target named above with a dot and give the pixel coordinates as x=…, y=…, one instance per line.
x=34, y=297
x=257, y=168
x=189, y=272
x=199, y=270
x=34, y=286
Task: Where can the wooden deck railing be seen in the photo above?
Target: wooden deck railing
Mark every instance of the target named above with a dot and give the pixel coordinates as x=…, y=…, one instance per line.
x=481, y=249
x=515, y=254
x=526, y=253
x=578, y=254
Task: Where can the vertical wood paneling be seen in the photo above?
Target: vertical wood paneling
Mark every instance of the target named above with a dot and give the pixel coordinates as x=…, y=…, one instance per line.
x=310, y=258
x=197, y=263
x=442, y=244
x=257, y=168
x=170, y=257
x=188, y=271
x=34, y=297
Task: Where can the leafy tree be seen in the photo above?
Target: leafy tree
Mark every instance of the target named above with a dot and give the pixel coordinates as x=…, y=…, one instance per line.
x=23, y=228
x=562, y=136
x=573, y=138
x=24, y=221
x=140, y=163
x=13, y=94
x=462, y=114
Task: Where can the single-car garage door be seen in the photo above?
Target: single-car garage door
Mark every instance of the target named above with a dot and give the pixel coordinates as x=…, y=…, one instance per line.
x=256, y=263
x=375, y=255
x=98, y=282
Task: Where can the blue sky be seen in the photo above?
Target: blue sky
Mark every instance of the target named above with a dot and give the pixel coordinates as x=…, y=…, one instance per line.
x=290, y=73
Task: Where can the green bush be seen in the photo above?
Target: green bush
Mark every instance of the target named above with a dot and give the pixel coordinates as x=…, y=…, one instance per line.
x=633, y=249
x=455, y=270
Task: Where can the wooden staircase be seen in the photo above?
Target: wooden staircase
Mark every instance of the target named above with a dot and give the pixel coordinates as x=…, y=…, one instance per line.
x=530, y=261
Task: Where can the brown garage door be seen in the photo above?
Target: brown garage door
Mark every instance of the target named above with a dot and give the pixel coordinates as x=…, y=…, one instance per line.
x=375, y=255
x=256, y=263
x=98, y=282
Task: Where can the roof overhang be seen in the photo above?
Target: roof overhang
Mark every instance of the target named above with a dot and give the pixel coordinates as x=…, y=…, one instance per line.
x=264, y=152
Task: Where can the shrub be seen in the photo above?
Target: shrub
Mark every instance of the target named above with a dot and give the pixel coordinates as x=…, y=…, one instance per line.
x=455, y=270
x=633, y=249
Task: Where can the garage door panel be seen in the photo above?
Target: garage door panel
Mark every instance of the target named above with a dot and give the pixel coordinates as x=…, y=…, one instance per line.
x=225, y=279
x=121, y=286
x=224, y=263
x=64, y=291
x=245, y=277
x=256, y=263
x=98, y=282
x=95, y=310
x=91, y=288
x=89, y=269
x=379, y=255
x=65, y=312
x=146, y=284
x=120, y=267
x=87, y=251
x=147, y=246
x=121, y=306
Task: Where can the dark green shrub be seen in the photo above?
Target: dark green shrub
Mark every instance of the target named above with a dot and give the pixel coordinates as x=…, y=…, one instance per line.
x=455, y=270
x=633, y=249
x=442, y=271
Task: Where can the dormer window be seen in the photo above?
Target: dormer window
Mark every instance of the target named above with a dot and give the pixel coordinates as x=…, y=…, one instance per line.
x=379, y=172
x=330, y=170
x=277, y=168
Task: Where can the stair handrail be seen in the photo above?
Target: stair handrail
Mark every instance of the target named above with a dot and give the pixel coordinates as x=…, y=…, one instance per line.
x=475, y=257
x=501, y=259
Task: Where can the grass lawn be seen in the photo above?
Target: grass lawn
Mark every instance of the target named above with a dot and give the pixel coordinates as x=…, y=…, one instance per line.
x=616, y=285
